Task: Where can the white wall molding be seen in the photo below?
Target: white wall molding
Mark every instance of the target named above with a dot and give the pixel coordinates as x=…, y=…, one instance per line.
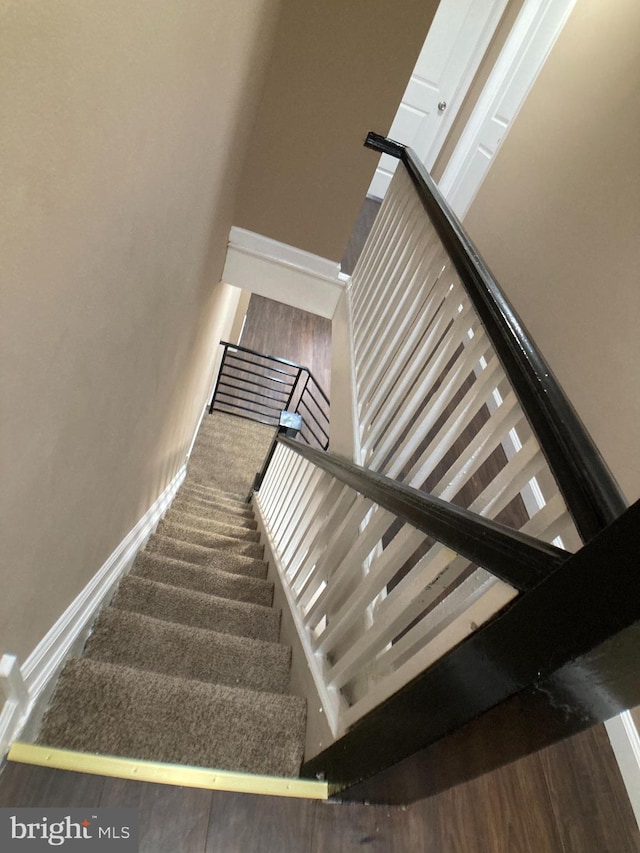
x=625, y=742
x=282, y=272
x=45, y=660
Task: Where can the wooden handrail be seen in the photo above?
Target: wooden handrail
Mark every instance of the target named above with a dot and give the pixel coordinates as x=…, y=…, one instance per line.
x=591, y=493
x=567, y=649
x=514, y=557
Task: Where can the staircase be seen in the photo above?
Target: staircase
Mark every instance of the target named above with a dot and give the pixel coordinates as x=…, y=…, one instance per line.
x=184, y=665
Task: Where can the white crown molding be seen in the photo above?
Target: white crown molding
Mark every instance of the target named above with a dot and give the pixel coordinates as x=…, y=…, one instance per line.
x=258, y=244
x=282, y=272
x=23, y=686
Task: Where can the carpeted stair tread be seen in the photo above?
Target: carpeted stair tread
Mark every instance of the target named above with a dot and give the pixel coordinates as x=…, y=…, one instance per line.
x=198, y=609
x=213, y=540
x=177, y=517
x=226, y=561
x=184, y=665
x=155, y=567
x=203, y=511
x=116, y=710
x=241, y=507
x=227, y=453
x=213, y=490
x=131, y=639
x=213, y=502
x=213, y=493
x=205, y=507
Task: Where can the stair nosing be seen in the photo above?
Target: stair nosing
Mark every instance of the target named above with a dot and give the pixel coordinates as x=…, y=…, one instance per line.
x=165, y=537
x=253, y=655
x=231, y=539
x=241, y=534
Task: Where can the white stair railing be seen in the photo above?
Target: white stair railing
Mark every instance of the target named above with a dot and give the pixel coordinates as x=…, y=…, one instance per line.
x=375, y=600
x=451, y=398
x=435, y=407
x=336, y=552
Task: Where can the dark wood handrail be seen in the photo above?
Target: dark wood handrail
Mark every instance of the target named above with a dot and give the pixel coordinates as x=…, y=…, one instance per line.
x=568, y=650
x=518, y=559
x=591, y=493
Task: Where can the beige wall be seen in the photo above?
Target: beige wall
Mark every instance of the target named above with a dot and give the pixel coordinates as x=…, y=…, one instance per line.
x=119, y=172
x=339, y=70
x=558, y=220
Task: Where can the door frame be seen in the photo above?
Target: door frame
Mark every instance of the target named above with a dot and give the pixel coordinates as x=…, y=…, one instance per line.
x=533, y=35
x=473, y=63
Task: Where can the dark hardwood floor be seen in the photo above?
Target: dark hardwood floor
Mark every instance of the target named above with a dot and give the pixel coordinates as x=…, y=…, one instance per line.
x=277, y=329
x=565, y=799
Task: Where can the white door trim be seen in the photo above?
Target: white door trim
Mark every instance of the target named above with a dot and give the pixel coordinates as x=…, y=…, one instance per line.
x=532, y=37
x=386, y=165
x=471, y=70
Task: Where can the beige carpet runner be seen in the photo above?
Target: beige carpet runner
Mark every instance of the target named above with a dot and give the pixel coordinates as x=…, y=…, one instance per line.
x=184, y=664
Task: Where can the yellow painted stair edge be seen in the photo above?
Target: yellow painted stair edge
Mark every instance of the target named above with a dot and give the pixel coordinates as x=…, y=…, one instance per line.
x=166, y=774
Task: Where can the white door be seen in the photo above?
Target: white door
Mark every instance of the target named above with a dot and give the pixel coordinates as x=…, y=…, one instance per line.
x=455, y=44
x=533, y=35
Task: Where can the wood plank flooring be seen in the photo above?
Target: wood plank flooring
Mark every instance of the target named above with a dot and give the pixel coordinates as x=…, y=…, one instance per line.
x=277, y=329
x=565, y=799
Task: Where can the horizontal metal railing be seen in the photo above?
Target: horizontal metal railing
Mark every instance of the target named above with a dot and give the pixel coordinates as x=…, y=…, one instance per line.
x=257, y=386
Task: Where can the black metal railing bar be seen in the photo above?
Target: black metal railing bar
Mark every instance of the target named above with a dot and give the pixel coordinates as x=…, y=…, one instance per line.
x=263, y=376
x=235, y=357
x=247, y=378
x=315, y=420
x=232, y=348
x=256, y=393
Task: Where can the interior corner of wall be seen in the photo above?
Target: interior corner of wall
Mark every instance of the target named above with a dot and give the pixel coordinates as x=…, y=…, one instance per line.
x=343, y=432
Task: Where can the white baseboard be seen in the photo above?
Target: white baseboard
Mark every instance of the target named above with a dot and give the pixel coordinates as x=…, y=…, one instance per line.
x=625, y=742
x=11, y=720
x=197, y=429
x=46, y=659
x=16, y=698
x=282, y=272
